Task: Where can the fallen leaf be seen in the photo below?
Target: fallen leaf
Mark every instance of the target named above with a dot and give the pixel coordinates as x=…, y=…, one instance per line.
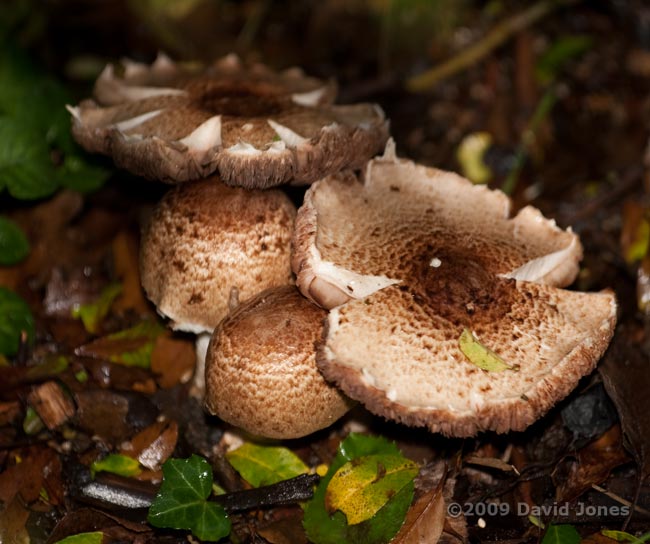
x=172, y=359
x=153, y=445
x=425, y=521
x=481, y=356
x=626, y=375
x=593, y=466
x=265, y=465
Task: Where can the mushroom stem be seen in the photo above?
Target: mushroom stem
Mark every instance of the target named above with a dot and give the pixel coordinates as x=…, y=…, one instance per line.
x=198, y=381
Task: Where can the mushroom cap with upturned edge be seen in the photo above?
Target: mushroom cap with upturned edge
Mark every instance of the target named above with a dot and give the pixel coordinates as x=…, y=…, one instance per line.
x=204, y=239
x=255, y=127
x=411, y=259
x=261, y=372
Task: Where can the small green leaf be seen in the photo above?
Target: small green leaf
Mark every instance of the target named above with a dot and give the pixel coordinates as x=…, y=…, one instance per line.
x=81, y=376
x=15, y=317
x=32, y=424
x=361, y=487
x=622, y=536
x=265, y=465
x=181, y=501
x=96, y=537
x=479, y=355
x=25, y=166
x=116, y=463
x=92, y=314
x=79, y=174
x=558, y=54
x=561, y=534
x=322, y=528
x=14, y=246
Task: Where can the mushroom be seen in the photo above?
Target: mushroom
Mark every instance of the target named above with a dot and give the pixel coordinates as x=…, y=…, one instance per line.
x=261, y=372
x=428, y=277
x=255, y=127
x=206, y=241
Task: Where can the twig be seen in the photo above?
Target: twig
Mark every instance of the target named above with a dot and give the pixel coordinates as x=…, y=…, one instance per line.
x=495, y=38
x=300, y=488
x=620, y=500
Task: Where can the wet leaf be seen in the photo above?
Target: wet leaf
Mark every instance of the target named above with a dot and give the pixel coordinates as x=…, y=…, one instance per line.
x=15, y=317
x=425, y=520
x=561, y=534
x=14, y=246
x=130, y=347
x=116, y=463
x=181, y=502
x=322, y=528
x=361, y=487
x=619, y=536
x=95, y=537
x=265, y=465
x=481, y=356
x=92, y=314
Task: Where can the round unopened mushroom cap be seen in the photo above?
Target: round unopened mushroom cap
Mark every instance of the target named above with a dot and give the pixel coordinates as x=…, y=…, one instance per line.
x=261, y=372
x=448, y=313
x=255, y=127
x=203, y=240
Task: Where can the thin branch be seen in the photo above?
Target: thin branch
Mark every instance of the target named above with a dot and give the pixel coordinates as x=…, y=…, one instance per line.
x=494, y=39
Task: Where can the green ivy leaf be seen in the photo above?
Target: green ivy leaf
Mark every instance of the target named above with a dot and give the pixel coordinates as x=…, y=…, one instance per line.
x=14, y=246
x=322, y=528
x=79, y=174
x=25, y=166
x=116, y=463
x=92, y=314
x=15, y=317
x=561, y=534
x=96, y=537
x=265, y=465
x=481, y=356
x=181, y=501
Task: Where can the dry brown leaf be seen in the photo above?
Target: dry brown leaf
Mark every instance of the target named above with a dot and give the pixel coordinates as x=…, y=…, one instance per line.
x=172, y=360
x=595, y=462
x=125, y=262
x=153, y=445
x=425, y=520
x=626, y=376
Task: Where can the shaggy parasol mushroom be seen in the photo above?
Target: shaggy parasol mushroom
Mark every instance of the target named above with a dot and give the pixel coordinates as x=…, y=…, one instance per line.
x=261, y=372
x=255, y=127
x=205, y=239
x=425, y=271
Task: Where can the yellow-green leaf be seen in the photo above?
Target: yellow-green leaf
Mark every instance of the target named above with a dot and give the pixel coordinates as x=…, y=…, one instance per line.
x=470, y=154
x=481, y=356
x=265, y=465
x=92, y=314
x=96, y=537
x=117, y=464
x=361, y=487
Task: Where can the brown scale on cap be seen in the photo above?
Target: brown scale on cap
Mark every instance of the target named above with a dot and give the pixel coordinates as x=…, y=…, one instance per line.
x=411, y=257
x=261, y=372
x=204, y=239
x=255, y=127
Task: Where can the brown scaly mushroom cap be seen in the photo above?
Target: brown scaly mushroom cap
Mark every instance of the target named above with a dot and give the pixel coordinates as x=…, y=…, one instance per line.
x=255, y=127
x=411, y=257
x=204, y=239
x=261, y=372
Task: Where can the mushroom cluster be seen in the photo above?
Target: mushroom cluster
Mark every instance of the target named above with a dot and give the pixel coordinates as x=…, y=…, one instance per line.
x=418, y=293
